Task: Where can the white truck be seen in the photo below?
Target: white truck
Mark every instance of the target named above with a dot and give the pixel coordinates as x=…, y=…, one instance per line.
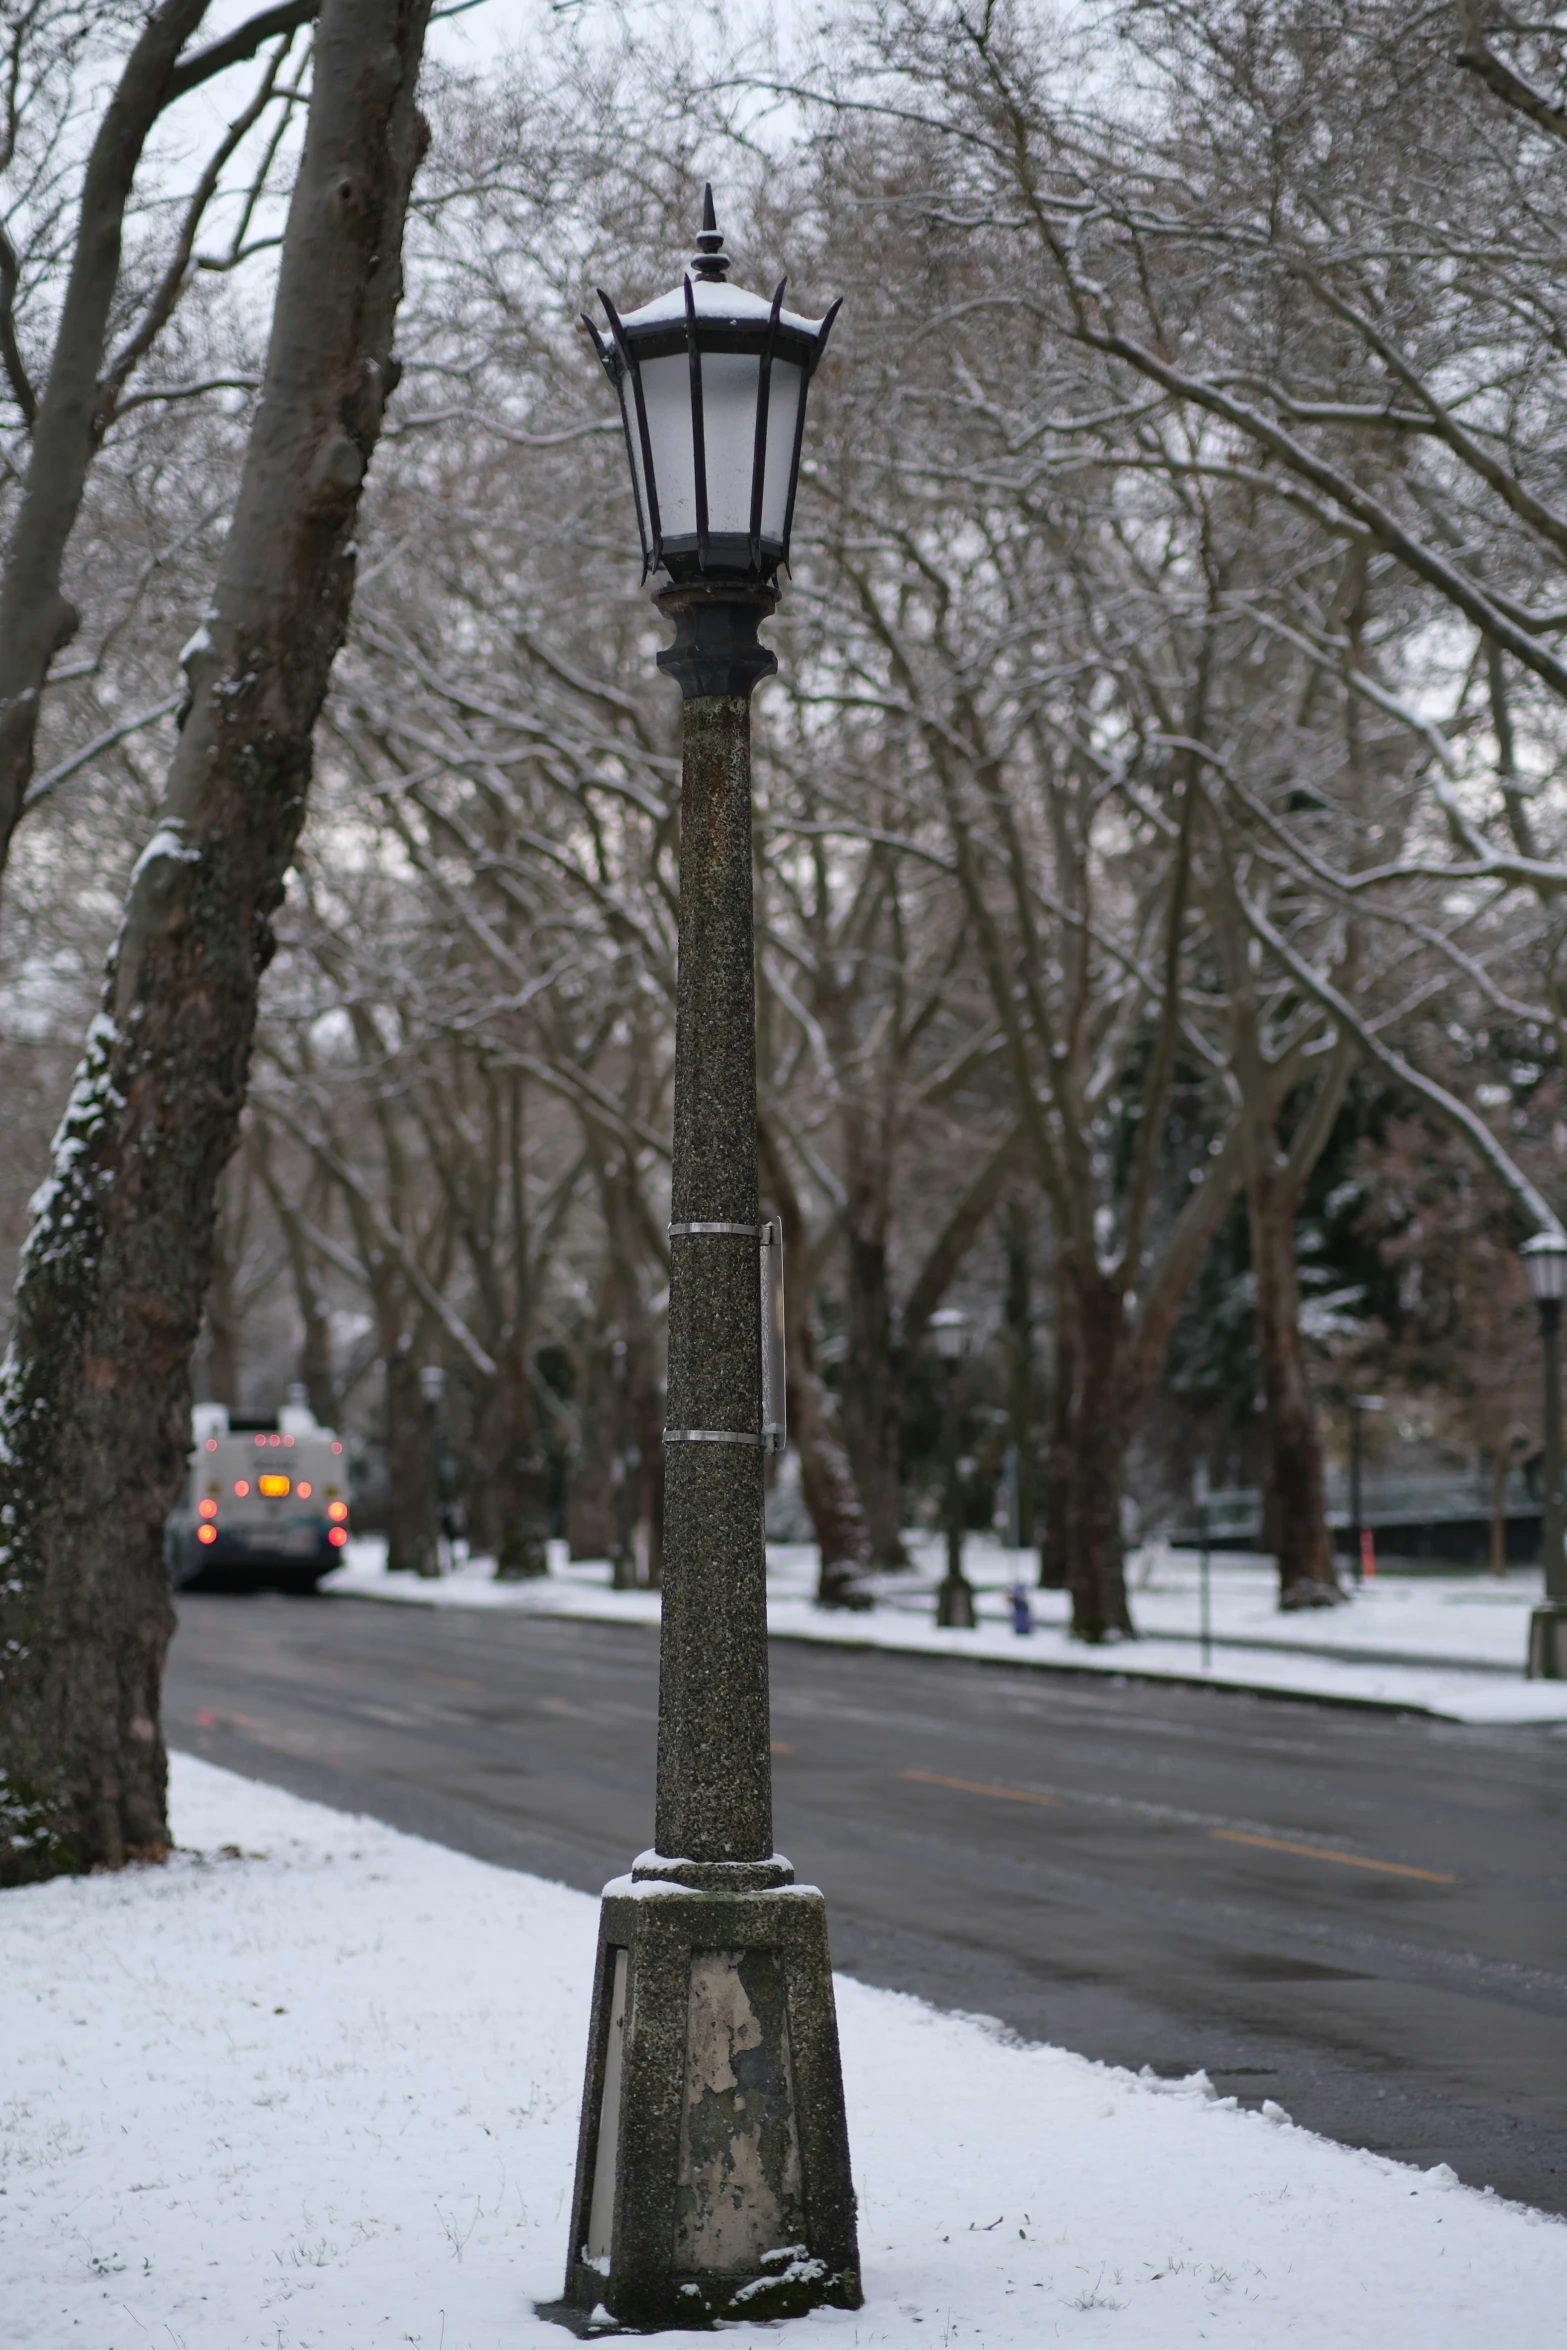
x=265, y=1504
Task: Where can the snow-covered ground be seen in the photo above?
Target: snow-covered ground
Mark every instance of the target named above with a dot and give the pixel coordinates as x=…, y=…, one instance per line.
x=313, y=2086
x=1452, y=1645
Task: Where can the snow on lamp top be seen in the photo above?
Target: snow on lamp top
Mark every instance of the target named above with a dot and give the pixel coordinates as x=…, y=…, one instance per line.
x=712, y=382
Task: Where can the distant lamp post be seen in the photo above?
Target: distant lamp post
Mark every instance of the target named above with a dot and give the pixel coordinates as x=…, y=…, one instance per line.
x=713, y=2158
x=1545, y=1262
x=955, y=1594
x=1365, y=1555
x=432, y=1386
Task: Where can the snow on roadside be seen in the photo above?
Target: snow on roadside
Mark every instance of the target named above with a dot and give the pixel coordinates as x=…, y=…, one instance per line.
x=1430, y=1627
x=314, y=2086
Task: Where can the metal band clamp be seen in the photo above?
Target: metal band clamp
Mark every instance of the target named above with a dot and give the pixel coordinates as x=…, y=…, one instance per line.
x=713, y=1436
x=768, y=1240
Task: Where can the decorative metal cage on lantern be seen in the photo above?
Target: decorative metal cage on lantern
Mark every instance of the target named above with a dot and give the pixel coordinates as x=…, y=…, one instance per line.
x=712, y=383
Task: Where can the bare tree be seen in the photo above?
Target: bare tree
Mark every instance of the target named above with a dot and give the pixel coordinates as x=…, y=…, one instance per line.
x=83, y=382
x=96, y=1385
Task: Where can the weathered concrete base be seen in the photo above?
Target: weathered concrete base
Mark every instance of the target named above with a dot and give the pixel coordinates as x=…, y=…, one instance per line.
x=713, y=2159
x=1548, y=1642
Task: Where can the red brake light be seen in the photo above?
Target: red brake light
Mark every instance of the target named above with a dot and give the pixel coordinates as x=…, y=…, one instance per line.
x=304, y=1489
x=209, y=1509
x=337, y=1509
x=241, y=1487
x=337, y=1536
x=337, y=1448
x=206, y=1534
x=212, y=1444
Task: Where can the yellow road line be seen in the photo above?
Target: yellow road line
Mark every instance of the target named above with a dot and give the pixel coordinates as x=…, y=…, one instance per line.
x=1348, y=1860
x=980, y=1787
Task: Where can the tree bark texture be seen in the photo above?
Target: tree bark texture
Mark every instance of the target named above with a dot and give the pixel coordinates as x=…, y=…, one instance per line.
x=95, y=1393
x=1307, y=1576
x=1095, y=1460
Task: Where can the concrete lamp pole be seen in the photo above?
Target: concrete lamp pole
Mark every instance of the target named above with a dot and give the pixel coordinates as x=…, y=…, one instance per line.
x=955, y=1594
x=1360, y=1532
x=713, y=2161
x=1545, y=1262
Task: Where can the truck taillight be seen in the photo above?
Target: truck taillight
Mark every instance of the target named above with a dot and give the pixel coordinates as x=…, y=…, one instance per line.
x=337, y=1509
x=209, y=1509
x=241, y=1487
x=206, y=1534
x=336, y=1535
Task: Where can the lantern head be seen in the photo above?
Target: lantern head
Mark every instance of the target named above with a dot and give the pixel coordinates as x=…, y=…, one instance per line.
x=950, y=1329
x=1545, y=1262
x=712, y=384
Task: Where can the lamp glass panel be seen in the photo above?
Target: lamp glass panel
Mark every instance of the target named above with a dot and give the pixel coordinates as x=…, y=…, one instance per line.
x=783, y=408
x=628, y=404
x=729, y=395
x=666, y=392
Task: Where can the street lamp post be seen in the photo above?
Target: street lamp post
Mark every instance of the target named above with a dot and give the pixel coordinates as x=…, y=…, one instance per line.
x=1364, y=1561
x=713, y=2162
x=955, y=1594
x=1545, y=1262
x=432, y=1386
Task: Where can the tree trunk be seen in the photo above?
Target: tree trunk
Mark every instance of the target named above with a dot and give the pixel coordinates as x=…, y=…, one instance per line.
x=1095, y=1561
x=95, y=1393
x=520, y=1475
x=223, y=1319
x=872, y=1400
x=1020, y=1367
x=411, y=1526
x=828, y=1485
x=1055, y=1541
x=1307, y=1575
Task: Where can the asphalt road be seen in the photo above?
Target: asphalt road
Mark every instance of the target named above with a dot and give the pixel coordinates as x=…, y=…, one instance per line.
x=1361, y=1917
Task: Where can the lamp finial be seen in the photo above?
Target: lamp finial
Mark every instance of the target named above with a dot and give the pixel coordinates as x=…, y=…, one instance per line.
x=710, y=261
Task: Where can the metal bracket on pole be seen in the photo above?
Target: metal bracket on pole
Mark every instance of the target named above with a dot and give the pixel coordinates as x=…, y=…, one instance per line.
x=775, y=1407
x=774, y=1434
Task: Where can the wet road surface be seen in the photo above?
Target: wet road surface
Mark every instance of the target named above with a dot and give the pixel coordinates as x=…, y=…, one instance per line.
x=1361, y=1916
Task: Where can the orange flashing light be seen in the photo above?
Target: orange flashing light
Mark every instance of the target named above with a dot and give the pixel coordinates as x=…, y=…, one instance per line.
x=274, y=1486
